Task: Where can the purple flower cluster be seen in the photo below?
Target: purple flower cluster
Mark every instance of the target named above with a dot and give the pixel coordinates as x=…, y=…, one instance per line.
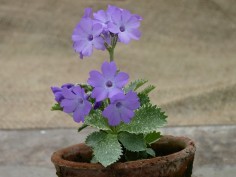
x=108, y=87
x=97, y=32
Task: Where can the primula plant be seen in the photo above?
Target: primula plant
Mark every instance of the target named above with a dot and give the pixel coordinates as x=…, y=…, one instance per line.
x=126, y=121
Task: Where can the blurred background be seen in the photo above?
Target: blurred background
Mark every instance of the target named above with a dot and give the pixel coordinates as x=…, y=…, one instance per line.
x=187, y=50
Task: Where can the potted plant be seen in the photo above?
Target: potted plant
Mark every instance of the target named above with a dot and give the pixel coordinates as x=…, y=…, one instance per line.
x=127, y=142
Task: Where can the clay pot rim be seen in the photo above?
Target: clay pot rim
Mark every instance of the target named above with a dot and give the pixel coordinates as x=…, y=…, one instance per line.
x=189, y=148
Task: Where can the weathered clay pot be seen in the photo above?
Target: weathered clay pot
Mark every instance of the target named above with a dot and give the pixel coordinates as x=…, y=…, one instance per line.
x=175, y=159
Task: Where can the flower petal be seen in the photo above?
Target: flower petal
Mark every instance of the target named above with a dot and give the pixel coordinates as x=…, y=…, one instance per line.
x=131, y=101
x=133, y=22
x=79, y=45
x=67, y=93
x=96, y=79
x=55, y=89
x=98, y=43
x=87, y=107
x=116, y=16
x=67, y=85
x=101, y=16
x=124, y=37
x=112, y=114
x=87, y=12
x=86, y=25
x=88, y=49
x=77, y=116
x=126, y=15
x=78, y=33
x=113, y=28
x=78, y=91
x=114, y=91
x=126, y=115
x=99, y=94
x=68, y=105
x=109, y=69
x=115, y=98
x=121, y=79
x=97, y=29
x=135, y=34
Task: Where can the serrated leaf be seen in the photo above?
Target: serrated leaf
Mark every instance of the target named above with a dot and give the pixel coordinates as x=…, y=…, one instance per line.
x=147, y=119
x=143, y=99
x=96, y=120
x=94, y=138
x=152, y=137
x=135, y=85
x=132, y=142
x=151, y=152
x=93, y=160
x=108, y=150
x=148, y=89
x=56, y=107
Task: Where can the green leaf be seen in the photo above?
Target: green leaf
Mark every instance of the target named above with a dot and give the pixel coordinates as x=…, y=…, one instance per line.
x=143, y=99
x=147, y=90
x=96, y=120
x=152, y=137
x=56, y=107
x=147, y=119
x=94, y=160
x=132, y=142
x=86, y=87
x=135, y=85
x=94, y=138
x=82, y=127
x=108, y=150
x=151, y=152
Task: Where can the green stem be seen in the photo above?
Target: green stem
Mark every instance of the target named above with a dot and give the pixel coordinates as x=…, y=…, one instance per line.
x=111, y=48
x=111, y=53
x=114, y=129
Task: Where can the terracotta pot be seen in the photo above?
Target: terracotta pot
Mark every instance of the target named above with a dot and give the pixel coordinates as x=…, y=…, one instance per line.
x=175, y=159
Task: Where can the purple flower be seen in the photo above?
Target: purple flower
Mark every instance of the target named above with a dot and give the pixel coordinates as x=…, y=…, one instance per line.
x=75, y=102
x=86, y=35
x=121, y=108
x=104, y=17
x=125, y=25
x=57, y=91
x=88, y=12
x=108, y=83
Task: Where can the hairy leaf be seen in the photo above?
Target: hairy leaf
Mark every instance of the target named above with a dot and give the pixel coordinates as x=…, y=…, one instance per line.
x=94, y=160
x=143, y=99
x=151, y=152
x=108, y=150
x=94, y=138
x=56, y=107
x=132, y=142
x=135, y=85
x=152, y=137
x=96, y=120
x=148, y=89
x=147, y=119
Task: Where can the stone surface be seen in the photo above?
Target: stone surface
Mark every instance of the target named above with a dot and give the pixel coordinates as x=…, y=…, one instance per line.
x=26, y=153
